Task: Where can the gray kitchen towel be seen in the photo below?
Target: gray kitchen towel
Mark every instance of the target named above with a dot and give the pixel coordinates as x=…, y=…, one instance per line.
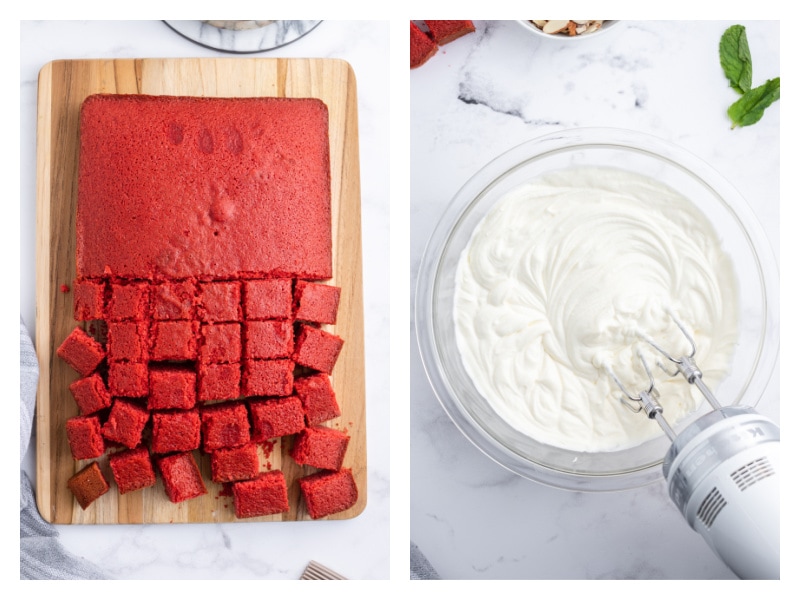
x=28, y=380
x=420, y=567
x=41, y=555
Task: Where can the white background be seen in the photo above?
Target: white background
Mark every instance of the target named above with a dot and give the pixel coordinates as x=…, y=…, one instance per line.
x=19, y=153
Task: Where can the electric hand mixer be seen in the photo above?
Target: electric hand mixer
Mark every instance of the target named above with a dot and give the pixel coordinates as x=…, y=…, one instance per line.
x=722, y=472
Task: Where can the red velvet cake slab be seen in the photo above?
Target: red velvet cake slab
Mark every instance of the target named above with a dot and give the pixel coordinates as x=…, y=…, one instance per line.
x=233, y=188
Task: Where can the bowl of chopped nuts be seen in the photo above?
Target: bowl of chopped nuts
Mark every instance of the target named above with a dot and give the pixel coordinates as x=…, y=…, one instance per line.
x=569, y=30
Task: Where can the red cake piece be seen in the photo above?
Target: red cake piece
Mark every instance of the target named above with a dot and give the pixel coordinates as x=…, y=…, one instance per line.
x=125, y=423
x=254, y=169
x=422, y=47
x=129, y=301
x=328, y=492
x=219, y=301
x=218, y=382
x=172, y=386
x=85, y=437
x=268, y=339
x=317, y=349
x=276, y=417
x=267, y=377
x=268, y=299
x=225, y=426
x=181, y=475
x=81, y=352
x=127, y=379
x=175, y=431
x=127, y=340
x=234, y=464
x=316, y=302
x=173, y=300
x=132, y=469
x=444, y=32
x=88, y=484
x=264, y=495
x=91, y=394
x=220, y=343
x=88, y=299
x=320, y=447
x=318, y=398
x=174, y=340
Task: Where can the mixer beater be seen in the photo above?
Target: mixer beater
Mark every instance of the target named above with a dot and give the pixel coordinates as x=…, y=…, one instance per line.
x=722, y=470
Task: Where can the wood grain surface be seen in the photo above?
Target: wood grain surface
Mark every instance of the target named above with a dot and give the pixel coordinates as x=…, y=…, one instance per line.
x=63, y=85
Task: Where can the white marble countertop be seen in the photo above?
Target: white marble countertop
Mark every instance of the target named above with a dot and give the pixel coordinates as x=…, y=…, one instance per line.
x=357, y=548
x=479, y=96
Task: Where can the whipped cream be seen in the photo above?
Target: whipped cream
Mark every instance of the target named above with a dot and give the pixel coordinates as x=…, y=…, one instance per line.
x=558, y=282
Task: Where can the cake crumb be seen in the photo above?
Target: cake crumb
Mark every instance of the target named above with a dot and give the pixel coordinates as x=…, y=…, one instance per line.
x=267, y=447
x=64, y=288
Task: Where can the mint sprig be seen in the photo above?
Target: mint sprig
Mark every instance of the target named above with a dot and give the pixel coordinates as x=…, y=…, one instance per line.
x=750, y=107
x=734, y=56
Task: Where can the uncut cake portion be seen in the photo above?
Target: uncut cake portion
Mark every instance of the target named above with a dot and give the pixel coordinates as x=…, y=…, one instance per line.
x=173, y=187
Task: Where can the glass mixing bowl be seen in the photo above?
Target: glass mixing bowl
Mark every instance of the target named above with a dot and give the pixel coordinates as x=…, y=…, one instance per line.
x=741, y=237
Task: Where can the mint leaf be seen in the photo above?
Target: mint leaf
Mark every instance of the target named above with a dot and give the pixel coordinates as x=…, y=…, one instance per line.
x=750, y=107
x=734, y=56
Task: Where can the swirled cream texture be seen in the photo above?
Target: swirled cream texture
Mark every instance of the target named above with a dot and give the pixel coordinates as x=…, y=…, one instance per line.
x=559, y=281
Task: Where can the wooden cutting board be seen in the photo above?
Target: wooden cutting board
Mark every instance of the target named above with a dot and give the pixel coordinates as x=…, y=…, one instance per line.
x=63, y=85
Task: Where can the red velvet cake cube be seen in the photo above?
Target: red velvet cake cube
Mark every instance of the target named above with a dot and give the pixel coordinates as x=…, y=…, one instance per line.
x=129, y=301
x=181, y=475
x=234, y=464
x=125, y=423
x=316, y=302
x=88, y=300
x=225, y=426
x=444, y=32
x=268, y=339
x=173, y=300
x=127, y=340
x=132, y=469
x=219, y=301
x=320, y=447
x=174, y=340
x=276, y=417
x=422, y=47
x=317, y=349
x=318, y=398
x=218, y=382
x=328, y=492
x=268, y=299
x=85, y=437
x=88, y=484
x=128, y=379
x=220, y=343
x=175, y=431
x=264, y=495
x=91, y=394
x=268, y=377
x=172, y=386
x=81, y=352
